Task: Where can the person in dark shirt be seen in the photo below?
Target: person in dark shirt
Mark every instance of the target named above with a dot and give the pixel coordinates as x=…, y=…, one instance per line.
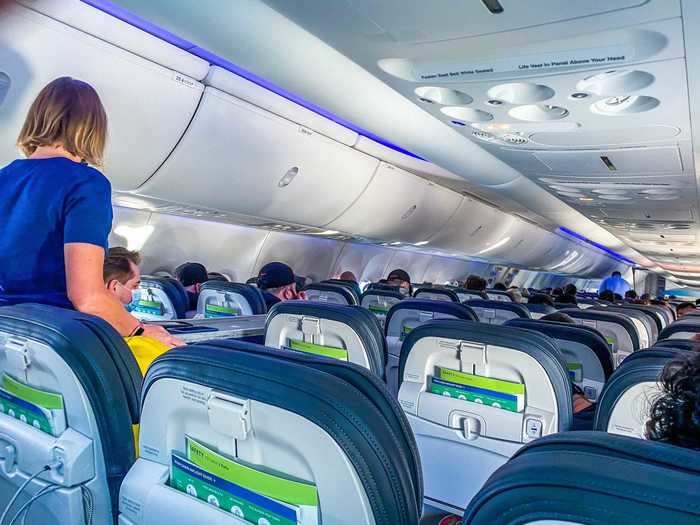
x=277, y=282
x=56, y=210
x=192, y=275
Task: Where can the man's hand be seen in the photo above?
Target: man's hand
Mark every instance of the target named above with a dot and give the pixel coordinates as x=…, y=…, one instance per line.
x=162, y=335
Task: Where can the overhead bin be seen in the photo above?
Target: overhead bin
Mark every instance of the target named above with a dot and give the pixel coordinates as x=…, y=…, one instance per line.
x=399, y=207
x=82, y=16
x=148, y=106
x=244, y=89
x=237, y=157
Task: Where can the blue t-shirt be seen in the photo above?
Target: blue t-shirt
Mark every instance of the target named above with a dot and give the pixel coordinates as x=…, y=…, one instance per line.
x=44, y=204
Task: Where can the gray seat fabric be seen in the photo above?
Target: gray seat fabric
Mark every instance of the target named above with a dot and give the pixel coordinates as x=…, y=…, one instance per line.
x=436, y=294
x=497, y=312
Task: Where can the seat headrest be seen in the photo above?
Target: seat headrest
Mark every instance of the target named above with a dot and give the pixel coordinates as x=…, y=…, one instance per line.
x=591, y=477
x=172, y=290
x=456, y=310
x=542, y=309
x=465, y=294
x=540, y=347
x=363, y=323
x=351, y=285
x=498, y=295
x=330, y=293
x=331, y=395
x=482, y=305
x=440, y=294
x=609, y=317
x=568, y=332
x=253, y=296
x=684, y=328
x=682, y=344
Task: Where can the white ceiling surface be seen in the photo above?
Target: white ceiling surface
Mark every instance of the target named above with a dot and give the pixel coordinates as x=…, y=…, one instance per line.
x=299, y=61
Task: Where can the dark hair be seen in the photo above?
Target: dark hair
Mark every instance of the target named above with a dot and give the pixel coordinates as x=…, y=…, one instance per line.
x=540, y=298
x=675, y=415
x=616, y=273
x=685, y=305
x=116, y=267
x=606, y=295
x=567, y=299
x=500, y=286
x=557, y=292
x=120, y=251
x=559, y=317
x=630, y=294
x=570, y=289
x=474, y=282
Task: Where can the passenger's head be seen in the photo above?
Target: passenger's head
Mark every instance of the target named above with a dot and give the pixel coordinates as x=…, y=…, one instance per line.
x=540, y=298
x=567, y=299
x=192, y=275
x=121, y=274
x=697, y=302
x=559, y=317
x=348, y=276
x=607, y=295
x=684, y=309
x=616, y=274
x=515, y=295
x=500, y=286
x=474, y=282
x=278, y=279
x=631, y=295
x=67, y=113
x=570, y=289
x=399, y=278
x=557, y=292
x=675, y=415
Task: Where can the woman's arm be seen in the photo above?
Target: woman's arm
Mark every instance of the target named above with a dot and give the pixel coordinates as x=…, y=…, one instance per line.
x=88, y=294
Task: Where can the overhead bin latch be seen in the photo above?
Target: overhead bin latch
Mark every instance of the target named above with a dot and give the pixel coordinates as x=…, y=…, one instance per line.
x=229, y=415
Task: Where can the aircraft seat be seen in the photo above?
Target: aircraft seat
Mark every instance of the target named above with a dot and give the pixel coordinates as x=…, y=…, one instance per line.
x=436, y=294
x=70, y=393
x=655, y=313
x=587, y=354
x=643, y=323
x=317, y=439
x=474, y=394
x=162, y=299
x=682, y=344
x=343, y=332
x=465, y=294
x=538, y=311
x=404, y=317
x=226, y=299
x=330, y=293
x=498, y=295
x=619, y=331
x=497, y=312
x=379, y=302
x=350, y=285
x=592, y=478
x=684, y=328
x=623, y=407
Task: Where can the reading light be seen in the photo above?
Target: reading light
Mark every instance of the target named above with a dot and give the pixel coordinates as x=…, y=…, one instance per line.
x=329, y=232
x=421, y=243
x=495, y=245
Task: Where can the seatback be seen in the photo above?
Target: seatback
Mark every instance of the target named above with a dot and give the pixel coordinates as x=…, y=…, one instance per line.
x=497, y=312
x=684, y=328
x=624, y=405
x=653, y=312
x=78, y=362
x=445, y=363
x=618, y=330
x=498, y=295
x=643, y=324
x=436, y=294
x=592, y=478
x=322, y=436
x=225, y=299
x=538, y=311
x=350, y=285
x=343, y=332
x=682, y=344
x=404, y=317
x=330, y=293
x=162, y=299
x=379, y=302
x=587, y=354
x=464, y=294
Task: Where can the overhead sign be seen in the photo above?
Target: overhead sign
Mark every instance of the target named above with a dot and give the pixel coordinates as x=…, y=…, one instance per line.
x=451, y=71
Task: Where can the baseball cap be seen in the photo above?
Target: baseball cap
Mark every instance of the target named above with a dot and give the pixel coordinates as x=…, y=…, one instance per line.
x=191, y=273
x=274, y=275
x=399, y=275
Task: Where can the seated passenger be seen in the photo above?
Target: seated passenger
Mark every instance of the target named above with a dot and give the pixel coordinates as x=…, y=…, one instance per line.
x=277, y=282
x=630, y=295
x=675, y=415
x=540, y=298
x=684, y=309
x=515, y=295
x=56, y=210
x=500, y=286
x=559, y=317
x=607, y=295
x=567, y=299
x=556, y=293
x=474, y=282
x=570, y=289
x=401, y=279
x=122, y=276
x=192, y=276
x=348, y=276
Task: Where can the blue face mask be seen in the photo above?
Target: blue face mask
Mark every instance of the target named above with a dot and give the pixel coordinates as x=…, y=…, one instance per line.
x=135, y=298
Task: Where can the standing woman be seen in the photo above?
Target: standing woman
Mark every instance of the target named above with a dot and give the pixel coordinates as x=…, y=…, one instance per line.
x=56, y=210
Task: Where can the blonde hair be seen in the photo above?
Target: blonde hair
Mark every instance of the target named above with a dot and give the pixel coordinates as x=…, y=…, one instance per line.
x=69, y=113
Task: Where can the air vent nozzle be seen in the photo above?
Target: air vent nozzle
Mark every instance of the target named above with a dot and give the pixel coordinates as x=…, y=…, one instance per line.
x=494, y=6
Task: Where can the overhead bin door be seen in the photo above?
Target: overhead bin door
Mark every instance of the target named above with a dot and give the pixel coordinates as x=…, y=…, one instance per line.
x=148, y=106
x=239, y=158
x=399, y=207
